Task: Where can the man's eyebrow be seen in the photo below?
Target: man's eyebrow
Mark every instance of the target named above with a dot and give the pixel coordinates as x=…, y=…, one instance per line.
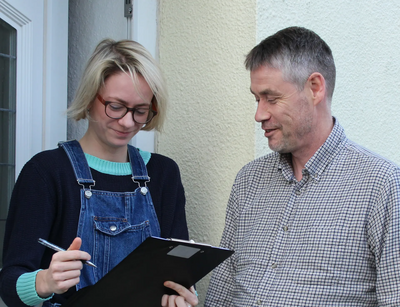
x=266, y=92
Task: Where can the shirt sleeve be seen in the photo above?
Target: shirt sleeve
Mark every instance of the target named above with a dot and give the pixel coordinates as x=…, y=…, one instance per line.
x=384, y=240
x=220, y=290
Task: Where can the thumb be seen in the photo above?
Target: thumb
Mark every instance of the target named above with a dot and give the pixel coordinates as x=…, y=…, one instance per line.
x=76, y=244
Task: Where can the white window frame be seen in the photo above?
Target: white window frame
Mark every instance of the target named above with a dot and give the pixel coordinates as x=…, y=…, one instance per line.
x=24, y=88
x=41, y=91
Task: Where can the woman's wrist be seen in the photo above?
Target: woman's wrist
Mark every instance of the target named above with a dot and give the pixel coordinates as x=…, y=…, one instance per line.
x=26, y=289
x=41, y=285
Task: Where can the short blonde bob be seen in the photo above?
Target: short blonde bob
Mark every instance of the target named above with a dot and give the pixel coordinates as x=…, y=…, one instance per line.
x=111, y=57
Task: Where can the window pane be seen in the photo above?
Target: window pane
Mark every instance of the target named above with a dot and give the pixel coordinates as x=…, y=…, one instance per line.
x=7, y=82
x=8, y=42
x=8, y=45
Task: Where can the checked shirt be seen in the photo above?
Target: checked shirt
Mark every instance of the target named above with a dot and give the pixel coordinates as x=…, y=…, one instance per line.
x=331, y=239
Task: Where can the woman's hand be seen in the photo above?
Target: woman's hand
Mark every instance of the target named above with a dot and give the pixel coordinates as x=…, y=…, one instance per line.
x=64, y=271
x=186, y=298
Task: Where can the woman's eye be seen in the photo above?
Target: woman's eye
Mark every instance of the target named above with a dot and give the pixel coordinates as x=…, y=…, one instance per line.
x=142, y=111
x=116, y=106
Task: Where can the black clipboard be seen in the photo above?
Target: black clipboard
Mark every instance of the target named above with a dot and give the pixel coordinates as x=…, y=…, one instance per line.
x=138, y=279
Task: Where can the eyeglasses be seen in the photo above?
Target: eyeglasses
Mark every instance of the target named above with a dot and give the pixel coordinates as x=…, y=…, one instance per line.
x=116, y=110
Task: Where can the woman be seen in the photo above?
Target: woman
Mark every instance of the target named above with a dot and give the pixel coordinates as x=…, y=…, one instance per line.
x=99, y=196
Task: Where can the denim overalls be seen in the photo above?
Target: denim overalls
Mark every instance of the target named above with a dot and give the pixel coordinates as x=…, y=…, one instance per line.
x=111, y=224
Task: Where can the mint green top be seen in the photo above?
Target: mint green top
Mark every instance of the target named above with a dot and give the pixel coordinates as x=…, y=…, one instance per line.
x=114, y=168
x=26, y=283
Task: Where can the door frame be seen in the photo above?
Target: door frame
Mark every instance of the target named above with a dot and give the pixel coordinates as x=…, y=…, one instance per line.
x=144, y=31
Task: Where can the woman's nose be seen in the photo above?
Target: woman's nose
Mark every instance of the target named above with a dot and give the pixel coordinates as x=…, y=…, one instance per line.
x=127, y=120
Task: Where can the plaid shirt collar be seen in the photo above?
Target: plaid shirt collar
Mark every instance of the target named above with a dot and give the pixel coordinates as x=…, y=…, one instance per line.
x=320, y=160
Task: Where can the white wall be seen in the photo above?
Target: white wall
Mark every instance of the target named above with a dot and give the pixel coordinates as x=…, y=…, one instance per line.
x=89, y=23
x=364, y=37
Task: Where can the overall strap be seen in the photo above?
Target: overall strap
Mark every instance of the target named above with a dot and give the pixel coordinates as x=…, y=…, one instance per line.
x=139, y=170
x=79, y=163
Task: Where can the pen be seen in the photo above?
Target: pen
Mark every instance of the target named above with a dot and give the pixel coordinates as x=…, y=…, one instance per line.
x=59, y=249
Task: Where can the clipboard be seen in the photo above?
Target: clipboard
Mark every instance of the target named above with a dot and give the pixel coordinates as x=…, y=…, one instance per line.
x=138, y=279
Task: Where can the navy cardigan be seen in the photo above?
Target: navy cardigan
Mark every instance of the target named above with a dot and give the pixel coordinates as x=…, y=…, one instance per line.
x=46, y=203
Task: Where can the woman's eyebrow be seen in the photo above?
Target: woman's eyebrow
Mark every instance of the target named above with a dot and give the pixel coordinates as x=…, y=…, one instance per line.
x=118, y=100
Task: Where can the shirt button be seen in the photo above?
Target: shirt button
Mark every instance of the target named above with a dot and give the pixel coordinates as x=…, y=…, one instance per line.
x=298, y=192
x=274, y=265
x=259, y=302
x=113, y=228
x=285, y=228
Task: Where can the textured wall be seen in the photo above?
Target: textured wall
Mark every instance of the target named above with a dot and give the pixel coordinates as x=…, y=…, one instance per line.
x=365, y=39
x=209, y=130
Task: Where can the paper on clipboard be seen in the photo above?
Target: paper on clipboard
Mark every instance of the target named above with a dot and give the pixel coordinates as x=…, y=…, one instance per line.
x=138, y=279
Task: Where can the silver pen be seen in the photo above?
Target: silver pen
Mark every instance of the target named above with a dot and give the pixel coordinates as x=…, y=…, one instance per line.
x=59, y=249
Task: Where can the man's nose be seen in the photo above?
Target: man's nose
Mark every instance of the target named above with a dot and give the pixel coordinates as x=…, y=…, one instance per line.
x=262, y=112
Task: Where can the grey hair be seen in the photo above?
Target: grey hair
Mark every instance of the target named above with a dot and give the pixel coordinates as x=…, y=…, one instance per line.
x=297, y=52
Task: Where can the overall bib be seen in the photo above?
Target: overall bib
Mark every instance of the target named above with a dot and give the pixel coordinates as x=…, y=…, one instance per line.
x=111, y=224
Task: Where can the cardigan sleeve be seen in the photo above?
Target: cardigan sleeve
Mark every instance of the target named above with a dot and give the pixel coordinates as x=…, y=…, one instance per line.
x=30, y=214
x=44, y=204
x=168, y=196
x=26, y=289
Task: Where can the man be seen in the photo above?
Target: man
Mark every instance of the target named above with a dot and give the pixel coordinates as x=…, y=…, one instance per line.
x=316, y=222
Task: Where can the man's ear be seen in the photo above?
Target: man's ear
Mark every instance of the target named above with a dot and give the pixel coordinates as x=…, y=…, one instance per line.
x=317, y=85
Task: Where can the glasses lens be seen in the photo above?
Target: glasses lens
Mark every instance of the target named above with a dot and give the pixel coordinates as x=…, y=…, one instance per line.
x=142, y=115
x=116, y=110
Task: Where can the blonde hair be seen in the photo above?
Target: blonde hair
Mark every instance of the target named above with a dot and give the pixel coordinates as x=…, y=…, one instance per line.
x=111, y=57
